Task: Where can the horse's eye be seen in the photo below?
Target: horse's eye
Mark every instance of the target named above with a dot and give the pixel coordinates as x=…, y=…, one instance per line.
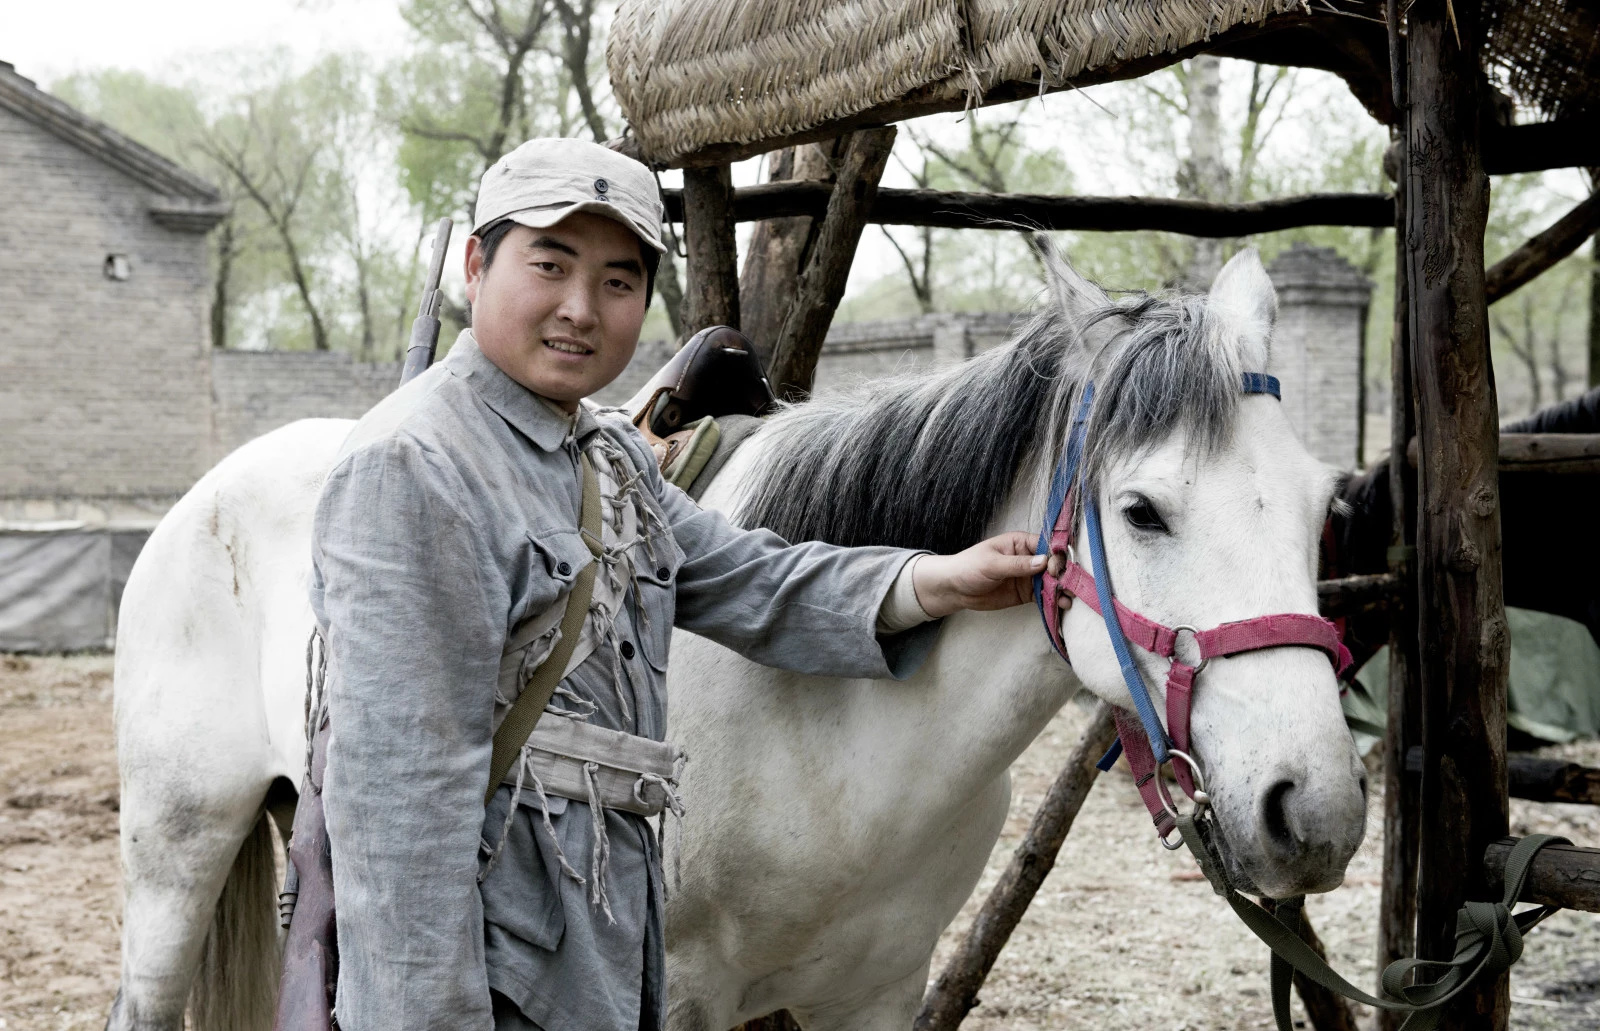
x=1142, y=515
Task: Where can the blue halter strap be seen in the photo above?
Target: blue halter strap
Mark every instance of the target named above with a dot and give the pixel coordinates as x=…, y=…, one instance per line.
x=1061, y=484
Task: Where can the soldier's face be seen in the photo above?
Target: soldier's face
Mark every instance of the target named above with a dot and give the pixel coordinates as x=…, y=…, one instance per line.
x=559, y=309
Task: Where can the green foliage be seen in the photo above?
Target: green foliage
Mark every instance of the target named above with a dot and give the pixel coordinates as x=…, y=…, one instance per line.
x=1286, y=132
x=337, y=171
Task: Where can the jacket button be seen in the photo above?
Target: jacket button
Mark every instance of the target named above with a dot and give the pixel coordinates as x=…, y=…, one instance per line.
x=627, y=649
x=663, y=573
x=565, y=569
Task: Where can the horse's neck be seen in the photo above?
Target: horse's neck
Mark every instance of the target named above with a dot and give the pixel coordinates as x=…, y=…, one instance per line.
x=992, y=682
x=996, y=672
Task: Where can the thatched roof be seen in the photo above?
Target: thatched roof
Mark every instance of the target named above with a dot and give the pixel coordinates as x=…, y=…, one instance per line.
x=692, y=73
x=707, y=80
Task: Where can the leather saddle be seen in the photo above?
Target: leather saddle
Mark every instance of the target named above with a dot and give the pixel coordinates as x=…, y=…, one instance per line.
x=715, y=374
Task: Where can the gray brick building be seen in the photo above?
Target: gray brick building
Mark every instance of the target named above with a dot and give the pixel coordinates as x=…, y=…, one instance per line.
x=1318, y=348
x=105, y=393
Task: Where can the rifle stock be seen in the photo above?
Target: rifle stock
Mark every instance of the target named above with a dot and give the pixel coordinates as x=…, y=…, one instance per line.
x=310, y=948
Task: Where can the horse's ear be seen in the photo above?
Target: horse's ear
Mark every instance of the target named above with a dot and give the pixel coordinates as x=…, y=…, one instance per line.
x=1073, y=294
x=1243, y=297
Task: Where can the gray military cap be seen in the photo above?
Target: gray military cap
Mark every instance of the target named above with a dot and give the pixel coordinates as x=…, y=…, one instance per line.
x=543, y=181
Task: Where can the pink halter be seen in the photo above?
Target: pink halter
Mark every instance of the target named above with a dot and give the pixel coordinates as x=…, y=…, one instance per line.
x=1141, y=736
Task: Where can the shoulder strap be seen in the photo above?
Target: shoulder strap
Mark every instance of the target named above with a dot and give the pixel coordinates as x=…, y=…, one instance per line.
x=536, y=693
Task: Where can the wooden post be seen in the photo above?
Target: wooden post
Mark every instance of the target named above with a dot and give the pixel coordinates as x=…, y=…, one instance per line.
x=1461, y=614
x=1397, y=914
x=712, y=297
x=779, y=247
x=827, y=267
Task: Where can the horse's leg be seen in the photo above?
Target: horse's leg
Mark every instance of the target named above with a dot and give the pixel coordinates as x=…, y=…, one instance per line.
x=891, y=1007
x=184, y=847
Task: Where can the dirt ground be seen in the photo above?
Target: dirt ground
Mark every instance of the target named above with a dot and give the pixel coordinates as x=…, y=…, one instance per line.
x=1123, y=935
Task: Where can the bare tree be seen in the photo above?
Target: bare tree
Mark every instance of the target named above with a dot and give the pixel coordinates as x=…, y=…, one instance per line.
x=1594, y=295
x=919, y=267
x=981, y=164
x=1203, y=174
x=1524, y=346
x=275, y=173
x=577, y=31
x=513, y=38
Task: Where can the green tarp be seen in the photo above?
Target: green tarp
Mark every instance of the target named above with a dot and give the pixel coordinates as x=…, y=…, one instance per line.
x=1555, y=682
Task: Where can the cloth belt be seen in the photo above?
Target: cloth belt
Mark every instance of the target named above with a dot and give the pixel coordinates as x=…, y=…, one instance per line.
x=631, y=773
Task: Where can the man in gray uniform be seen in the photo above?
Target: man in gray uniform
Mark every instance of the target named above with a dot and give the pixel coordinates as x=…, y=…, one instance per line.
x=448, y=528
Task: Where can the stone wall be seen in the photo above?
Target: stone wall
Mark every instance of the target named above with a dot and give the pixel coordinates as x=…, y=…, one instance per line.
x=104, y=383
x=859, y=351
x=255, y=392
x=1317, y=349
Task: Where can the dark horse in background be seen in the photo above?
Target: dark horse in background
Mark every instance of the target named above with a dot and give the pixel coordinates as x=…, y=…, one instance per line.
x=1550, y=552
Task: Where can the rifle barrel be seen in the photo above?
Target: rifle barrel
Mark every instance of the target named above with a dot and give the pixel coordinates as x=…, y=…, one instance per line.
x=441, y=243
x=425, y=330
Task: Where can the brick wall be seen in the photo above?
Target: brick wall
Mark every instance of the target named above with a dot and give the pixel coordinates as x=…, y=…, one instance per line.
x=255, y=392
x=1317, y=348
x=104, y=385
x=866, y=350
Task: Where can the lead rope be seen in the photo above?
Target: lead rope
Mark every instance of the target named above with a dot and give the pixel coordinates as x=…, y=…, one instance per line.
x=1488, y=938
x=1488, y=935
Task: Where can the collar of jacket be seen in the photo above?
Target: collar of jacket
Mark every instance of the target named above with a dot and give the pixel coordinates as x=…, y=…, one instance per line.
x=534, y=417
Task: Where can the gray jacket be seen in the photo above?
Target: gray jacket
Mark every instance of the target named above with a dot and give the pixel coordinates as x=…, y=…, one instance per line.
x=450, y=518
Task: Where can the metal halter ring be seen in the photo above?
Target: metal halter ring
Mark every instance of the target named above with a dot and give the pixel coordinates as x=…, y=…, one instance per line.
x=1201, y=798
x=1195, y=633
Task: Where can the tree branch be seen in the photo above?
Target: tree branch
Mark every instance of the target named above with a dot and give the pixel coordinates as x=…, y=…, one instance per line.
x=1535, y=257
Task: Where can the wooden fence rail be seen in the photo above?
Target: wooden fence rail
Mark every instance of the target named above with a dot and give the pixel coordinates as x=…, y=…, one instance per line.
x=1561, y=875
x=954, y=209
x=1542, y=452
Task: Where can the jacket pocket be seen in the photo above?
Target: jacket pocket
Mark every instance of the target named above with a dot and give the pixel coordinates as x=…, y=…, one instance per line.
x=553, y=559
x=522, y=894
x=559, y=555
x=658, y=591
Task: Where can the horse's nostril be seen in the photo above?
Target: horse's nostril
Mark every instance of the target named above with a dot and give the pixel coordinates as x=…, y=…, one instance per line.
x=1363, y=787
x=1275, y=814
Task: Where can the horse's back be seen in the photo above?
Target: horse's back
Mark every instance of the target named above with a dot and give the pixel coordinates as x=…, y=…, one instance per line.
x=214, y=618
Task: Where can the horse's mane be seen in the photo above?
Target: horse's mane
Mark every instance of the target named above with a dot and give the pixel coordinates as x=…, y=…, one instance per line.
x=1579, y=415
x=925, y=459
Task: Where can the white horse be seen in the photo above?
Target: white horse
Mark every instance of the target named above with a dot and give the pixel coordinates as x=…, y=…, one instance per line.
x=835, y=827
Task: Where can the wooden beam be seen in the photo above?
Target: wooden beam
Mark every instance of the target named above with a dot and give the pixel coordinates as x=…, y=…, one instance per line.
x=1397, y=919
x=954, y=994
x=1552, y=780
x=1561, y=875
x=1577, y=453
x=827, y=267
x=1536, y=256
x=1461, y=615
x=712, y=297
x=1540, y=780
x=1030, y=212
x=1352, y=595
x=1564, y=143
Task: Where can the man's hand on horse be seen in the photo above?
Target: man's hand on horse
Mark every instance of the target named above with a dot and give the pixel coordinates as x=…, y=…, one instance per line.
x=993, y=574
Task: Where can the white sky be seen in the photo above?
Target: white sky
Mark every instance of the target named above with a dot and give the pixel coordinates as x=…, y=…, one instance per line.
x=47, y=40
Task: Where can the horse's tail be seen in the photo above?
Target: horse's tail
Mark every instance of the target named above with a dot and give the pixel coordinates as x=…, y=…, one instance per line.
x=236, y=988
